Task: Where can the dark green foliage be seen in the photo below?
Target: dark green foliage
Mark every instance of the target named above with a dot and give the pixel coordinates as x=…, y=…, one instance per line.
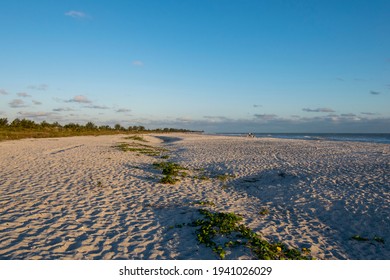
x=140, y=148
x=359, y=238
x=229, y=225
x=136, y=138
x=3, y=122
x=379, y=239
x=170, y=170
x=24, y=128
x=225, y=177
x=205, y=203
x=168, y=179
x=90, y=126
x=264, y=211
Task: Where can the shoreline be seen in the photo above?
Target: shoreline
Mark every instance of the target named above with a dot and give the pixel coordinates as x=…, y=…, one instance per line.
x=82, y=198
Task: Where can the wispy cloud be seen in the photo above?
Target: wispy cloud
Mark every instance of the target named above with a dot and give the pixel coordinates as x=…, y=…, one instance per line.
x=374, y=92
x=266, y=117
x=63, y=109
x=3, y=92
x=34, y=115
x=138, y=63
x=369, y=114
x=17, y=103
x=97, y=107
x=79, y=99
x=41, y=87
x=216, y=119
x=350, y=115
x=123, y=110
x=318, y=110
x=35, y=102
x=184, y=119
x=23, y=94
x=77, y=14
x=257, y=105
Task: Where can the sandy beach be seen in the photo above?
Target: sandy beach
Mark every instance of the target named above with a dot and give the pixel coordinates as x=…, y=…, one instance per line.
x=83, y=198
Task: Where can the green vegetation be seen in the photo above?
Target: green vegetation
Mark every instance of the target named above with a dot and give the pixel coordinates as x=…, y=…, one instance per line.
x=202, y=177
x=24, y=128
x=359, y=238
x=136, y=138
x=205, y=203
x=225, y=177
x=170, y=170
x=229, y=226
x=264, y=211
x=379, y=239
x=140, y=148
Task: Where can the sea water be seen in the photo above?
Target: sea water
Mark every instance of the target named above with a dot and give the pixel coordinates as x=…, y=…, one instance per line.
x=383, y=138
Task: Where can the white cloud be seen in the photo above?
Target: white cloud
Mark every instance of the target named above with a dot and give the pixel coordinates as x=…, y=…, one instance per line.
x=79, y=99
x=39, y=87
x=318, y=110
x=266, y=117
x=369, y=113
x=65, y=109
x=35, y=102
x=77, y=14
x=97, y=107
x=123, y=110
x=17, y=103
x=23, y=94
x=3, y=92
x=34, y=115
x=216, y=118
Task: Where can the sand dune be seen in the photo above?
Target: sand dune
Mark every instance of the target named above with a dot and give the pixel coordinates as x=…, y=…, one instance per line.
x=83, y=198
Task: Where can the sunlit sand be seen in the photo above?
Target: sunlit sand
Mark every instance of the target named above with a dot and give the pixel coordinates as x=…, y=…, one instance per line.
x=83, y=198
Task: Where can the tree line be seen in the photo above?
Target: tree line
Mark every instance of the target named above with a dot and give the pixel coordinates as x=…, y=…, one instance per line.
x=26, y=124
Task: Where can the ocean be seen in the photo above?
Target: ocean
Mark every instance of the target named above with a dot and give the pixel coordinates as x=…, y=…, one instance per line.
x=383, y=138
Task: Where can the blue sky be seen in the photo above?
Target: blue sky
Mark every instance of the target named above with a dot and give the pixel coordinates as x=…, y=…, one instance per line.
x=215, y=65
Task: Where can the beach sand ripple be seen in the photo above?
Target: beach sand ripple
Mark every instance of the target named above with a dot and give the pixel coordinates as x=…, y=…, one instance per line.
x=82, y=198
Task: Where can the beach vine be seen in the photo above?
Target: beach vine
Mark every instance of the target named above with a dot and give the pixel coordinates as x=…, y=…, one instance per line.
x=215, y=225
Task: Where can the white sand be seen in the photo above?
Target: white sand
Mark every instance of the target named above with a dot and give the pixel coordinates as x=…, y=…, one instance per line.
x=81, y=198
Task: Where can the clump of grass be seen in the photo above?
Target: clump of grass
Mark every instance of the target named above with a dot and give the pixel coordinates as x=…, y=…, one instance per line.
x=225, y=177
x=137, y=138
x=205, y=203
x=202, y=177
x=379, y=239
x=170, y=170
x=264, y=211
x=140, y=148
x=359, y=238
x=229, y=225
x=165, y=157
x=167, y=179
